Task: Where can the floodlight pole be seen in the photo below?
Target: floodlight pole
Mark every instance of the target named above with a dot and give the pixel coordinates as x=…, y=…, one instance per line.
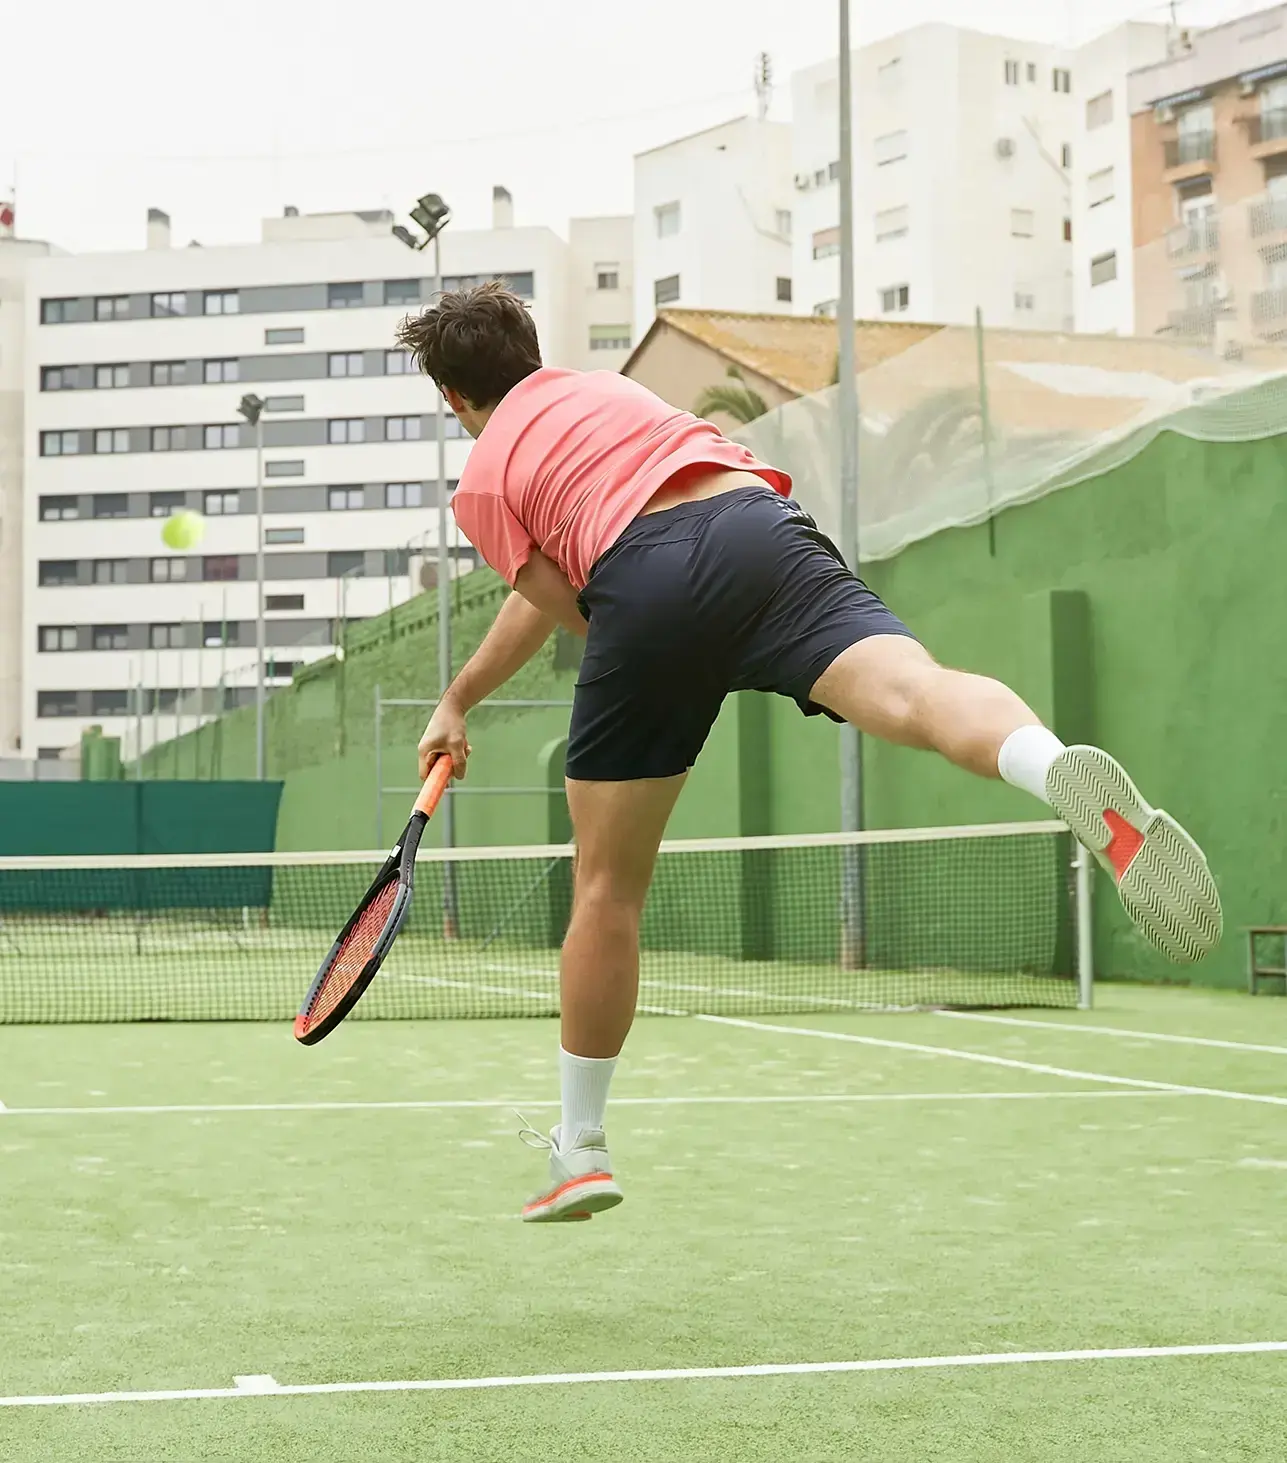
x=251, y=408
x=853, y=954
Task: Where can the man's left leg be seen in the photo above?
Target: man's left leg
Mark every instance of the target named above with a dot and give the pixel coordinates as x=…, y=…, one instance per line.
x=891, y=687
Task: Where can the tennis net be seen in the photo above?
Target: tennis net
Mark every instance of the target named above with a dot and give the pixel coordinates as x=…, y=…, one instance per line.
x=983, y=916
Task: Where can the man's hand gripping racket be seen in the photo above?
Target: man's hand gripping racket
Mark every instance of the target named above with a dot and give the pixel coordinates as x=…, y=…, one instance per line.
x=363, y=943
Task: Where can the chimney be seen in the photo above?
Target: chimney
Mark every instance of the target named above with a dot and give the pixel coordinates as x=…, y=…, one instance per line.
x=290, y=211
x=158, y=229
x=502, y=208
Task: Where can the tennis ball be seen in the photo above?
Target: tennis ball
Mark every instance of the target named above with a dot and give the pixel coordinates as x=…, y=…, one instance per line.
x=183, y=530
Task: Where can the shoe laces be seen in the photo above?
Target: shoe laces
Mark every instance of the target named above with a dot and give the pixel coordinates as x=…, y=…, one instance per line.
x=532, y=1137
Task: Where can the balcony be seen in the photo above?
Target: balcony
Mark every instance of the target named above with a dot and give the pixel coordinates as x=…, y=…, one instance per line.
x=1189, y=155
x=1194, y=240
x=1269, y=309
x=1195, y=322
x=1267, y=133
x=1268, y=216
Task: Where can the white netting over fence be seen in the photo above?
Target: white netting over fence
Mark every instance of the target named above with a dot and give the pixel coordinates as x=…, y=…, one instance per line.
x=962, y=425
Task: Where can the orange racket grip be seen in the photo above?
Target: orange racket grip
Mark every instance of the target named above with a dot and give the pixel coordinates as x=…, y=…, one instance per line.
x=435, y=785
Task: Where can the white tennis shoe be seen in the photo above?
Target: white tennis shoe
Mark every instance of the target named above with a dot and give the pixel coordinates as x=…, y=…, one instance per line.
x=581, y=1182
x=1161, y=875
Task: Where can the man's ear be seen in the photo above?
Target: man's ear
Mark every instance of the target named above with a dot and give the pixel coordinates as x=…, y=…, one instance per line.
x=455, y=400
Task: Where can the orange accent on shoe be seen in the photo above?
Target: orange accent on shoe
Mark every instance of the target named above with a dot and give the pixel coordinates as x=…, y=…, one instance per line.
x=1126, y=842
x=564, y=1188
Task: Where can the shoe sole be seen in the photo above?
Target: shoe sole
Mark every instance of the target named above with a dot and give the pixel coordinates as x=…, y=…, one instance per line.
x=1161, y=875
x=588, y=1197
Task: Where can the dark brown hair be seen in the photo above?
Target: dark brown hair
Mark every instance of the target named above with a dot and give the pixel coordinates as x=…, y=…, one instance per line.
x=479, y=342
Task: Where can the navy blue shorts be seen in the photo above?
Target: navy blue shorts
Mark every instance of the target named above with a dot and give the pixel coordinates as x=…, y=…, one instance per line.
x=741, y=592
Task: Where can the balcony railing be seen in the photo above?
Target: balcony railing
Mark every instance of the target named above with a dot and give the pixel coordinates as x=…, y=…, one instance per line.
x=1268, y=127
x=1197, y=322
x=1268, y=216
x=1192, y=147
x=1200, y=237
x=1269, y=307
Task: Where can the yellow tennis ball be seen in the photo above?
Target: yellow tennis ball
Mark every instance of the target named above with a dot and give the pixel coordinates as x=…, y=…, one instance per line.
x=183, y=530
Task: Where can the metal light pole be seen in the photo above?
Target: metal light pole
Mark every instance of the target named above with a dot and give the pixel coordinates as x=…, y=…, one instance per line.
x=853, y=954
x=251, y=408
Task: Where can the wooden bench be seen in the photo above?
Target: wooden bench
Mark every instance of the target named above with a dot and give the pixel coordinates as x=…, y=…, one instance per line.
x=1257, y=972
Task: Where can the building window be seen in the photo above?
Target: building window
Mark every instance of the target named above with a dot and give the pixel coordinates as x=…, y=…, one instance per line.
x=607, y=276
x=285, y=335
x=286, y=467
x=57, y=703
x=1012, y=73
x=110, y=571
x=220, y=371
x=343, y=562
x=666, y=291
x=890, y=148
x=782, y=222
x=222, y=504
x=896, y=299
x=1023, y=223
x=826, y=243
x=346, y=429
x=826, y=309
x=609, y=337
x=398, y=363
x=109, y=703
x=58, y=572
x=1100, y=188
x=284, y=602
x=1032, y=71
x=172, y=302
x=56, y=312
x=112, y=439
x=1103, y=268
x=345, y=363
x=59, y=444
x=451, y=428
x=1062, y=80
x=344, y=296
x=277, y=404
x=402, y=292
x=402, y=495
x=342, y=500
x=225, y=434
x=1024, y=300
x=667, y=218
x=55, y=510
x=60, y=378
x=1099, y=111
x=110, y=505
x=165, y=637
x=1067, y=231
x=1065, y=156
x=283, y=536
x=222, y=302
x=891, y=223
x=111, y=307
x=220, y=568
x=108, y=378
x=110, y=637
x=169, y=439
x=169, y=373
x=161, y=505
x=169, y=571
x=58, y=637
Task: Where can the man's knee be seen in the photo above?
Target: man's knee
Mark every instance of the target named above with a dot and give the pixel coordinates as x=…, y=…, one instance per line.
x=607, y=894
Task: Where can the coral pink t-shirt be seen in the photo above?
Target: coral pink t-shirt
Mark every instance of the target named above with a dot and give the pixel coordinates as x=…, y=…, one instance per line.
x=567, y=460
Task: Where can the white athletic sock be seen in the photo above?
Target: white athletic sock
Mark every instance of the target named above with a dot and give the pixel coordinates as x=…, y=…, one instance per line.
x=584, y=1082
x=1025, y=758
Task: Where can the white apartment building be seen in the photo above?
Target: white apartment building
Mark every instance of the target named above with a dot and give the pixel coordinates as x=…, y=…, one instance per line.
x=135, y=364
x=1102, y=179
x=713, y=222
x=962, y=160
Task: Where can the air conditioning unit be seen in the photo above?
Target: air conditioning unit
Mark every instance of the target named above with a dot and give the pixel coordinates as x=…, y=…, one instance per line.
x=1247, y=89
x=1164, y=114
x=803, y=181
x=1005, y=147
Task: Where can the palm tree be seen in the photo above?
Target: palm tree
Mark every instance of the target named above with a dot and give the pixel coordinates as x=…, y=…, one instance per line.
x=739, y=401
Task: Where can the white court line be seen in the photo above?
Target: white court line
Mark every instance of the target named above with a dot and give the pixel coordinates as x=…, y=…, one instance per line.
x=1077, y=1026
x=992, y=1061
x=666, y=1374
x=524, y=1103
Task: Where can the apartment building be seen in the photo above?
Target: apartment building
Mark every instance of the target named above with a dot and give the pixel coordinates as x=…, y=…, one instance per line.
x=134, y=367
x=1209, y=167
x=713, y=222
x=962, y=162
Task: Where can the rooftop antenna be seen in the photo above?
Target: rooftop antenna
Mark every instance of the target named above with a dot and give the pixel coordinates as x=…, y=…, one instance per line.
x=763, y=84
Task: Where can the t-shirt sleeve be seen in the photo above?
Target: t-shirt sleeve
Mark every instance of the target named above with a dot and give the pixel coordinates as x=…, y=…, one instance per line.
x=487, y=522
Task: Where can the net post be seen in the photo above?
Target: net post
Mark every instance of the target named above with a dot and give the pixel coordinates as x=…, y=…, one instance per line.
x=1084, y=879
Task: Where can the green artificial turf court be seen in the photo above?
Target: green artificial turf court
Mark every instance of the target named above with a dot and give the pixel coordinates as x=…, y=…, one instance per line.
x=182, y=1206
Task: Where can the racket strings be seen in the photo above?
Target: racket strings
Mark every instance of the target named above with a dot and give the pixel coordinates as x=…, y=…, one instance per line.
x=352, y=956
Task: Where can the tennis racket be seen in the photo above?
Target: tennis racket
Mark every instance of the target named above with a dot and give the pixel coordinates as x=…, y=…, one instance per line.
x=363, y=943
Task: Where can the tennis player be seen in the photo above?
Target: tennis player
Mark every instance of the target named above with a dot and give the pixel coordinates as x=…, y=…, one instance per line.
x=691, y=572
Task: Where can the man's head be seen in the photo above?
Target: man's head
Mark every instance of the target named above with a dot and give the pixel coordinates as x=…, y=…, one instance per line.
x=476, y=344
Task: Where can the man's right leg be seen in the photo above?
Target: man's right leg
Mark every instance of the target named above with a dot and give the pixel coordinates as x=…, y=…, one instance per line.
x=618, y=827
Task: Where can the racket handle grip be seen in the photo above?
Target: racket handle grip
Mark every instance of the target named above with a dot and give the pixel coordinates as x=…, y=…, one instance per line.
x=435, y=785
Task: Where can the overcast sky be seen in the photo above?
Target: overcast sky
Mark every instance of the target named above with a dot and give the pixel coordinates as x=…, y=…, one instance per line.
x=222, y=114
